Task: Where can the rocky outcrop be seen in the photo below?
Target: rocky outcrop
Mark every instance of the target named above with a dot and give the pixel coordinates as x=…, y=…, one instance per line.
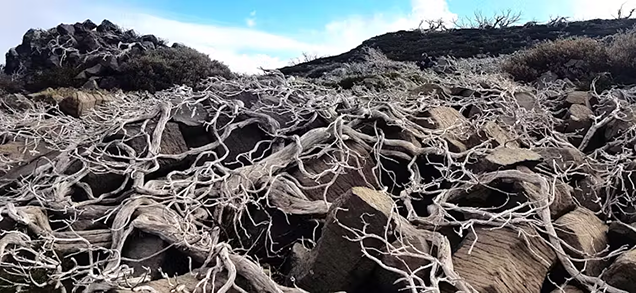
x=81, y=52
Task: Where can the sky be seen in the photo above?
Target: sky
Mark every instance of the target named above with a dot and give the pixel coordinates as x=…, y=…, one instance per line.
x=248, y=35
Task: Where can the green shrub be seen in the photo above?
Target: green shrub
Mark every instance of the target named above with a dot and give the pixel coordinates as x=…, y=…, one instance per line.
x=9, y=84
x=53, y=78
x=159, y=69
x=575, y=58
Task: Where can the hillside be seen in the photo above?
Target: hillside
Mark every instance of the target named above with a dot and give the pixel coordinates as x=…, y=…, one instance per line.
x=415, y=46
x=156, y=169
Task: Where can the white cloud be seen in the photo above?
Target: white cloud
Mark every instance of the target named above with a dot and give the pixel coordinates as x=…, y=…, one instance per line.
x=251, y=22
x=591, y=9
x=243, y=49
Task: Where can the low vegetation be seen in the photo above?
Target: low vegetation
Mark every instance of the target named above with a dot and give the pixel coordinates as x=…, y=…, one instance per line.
x=579, y=59
x=163, y=68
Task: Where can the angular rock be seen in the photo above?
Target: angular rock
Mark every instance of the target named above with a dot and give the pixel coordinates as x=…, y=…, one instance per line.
x=90, y=85
x=140, y=247
x=502, y=157
x=568, y=289
x=526, y=100
x=22, y=152
x=622, y=272
x=94, y=71
x=387, y=280
x=65, y=29
x=236, y=146
x=15, y=102
x=579, y=119
x=107, y=26
x=188, y=283
x=617, y=127
x=462, y=91
x=80, y=103
x=89, y=25
x=172, y=143
x=190, y=115
x=579, y=98
x=446, y=118
x=361, y=174
x=620, y=234
x=150, y=38
x=336, y=263
x=494, y=132
x=562, y=202
x=22, y=171
x=502, y=261
x=563, y=159
x=584, y=232
x=148, y=45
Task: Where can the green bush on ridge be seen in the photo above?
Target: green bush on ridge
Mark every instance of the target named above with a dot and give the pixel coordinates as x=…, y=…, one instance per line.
x=163, y=68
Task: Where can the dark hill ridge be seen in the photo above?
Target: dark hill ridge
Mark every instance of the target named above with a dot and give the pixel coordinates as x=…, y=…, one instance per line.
x=462, y=43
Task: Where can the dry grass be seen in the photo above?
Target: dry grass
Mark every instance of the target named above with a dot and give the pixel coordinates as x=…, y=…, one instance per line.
x=574, y=58
x=578, y=59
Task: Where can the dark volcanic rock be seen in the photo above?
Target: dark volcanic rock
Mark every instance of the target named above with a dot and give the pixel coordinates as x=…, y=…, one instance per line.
x=461, y=43
x=75, y=52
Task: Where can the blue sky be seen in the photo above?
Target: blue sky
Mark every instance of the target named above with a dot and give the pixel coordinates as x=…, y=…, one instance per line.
x=246, y=34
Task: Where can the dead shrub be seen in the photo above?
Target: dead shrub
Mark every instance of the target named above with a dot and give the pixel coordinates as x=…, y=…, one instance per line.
x=622, y=53
x=573, y=58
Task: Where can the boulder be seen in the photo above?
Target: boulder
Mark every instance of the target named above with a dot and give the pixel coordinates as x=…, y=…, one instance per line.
x=563, y=159
x=587, y=193
x=617, y=127
x=568, y=289
x=337, y=263
x=579, y=119
x=15, y=102
x=562, y=202
x=388, y=281
x=90, y=85
x=172, y=143
x=89, y=25
x=458, y=128
x=107, y=26
x=526, y=101
x=587, y=235
x=505, y=157
x=150, y=38
x=81, y=103
x=500, y=260
x=496, y=134
x=622, y=272
x=620, y=234
x=143, y=250
x=580, y=98
x=324, y=184
x=66, y=29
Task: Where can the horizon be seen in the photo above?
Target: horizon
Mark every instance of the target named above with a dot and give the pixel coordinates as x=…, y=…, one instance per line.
x=247, y=35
